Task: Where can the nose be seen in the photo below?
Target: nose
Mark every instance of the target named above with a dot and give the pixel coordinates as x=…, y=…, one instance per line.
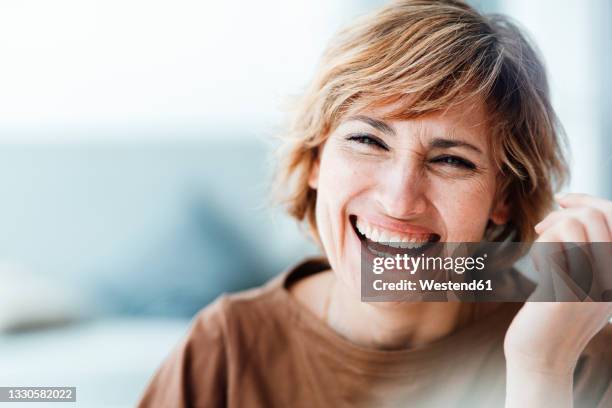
x=401, y=189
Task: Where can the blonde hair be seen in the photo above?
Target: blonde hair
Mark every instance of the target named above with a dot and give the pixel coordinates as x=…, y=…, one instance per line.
x=425, y=56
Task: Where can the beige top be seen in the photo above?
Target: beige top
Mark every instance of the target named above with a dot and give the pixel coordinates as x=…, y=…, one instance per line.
x=261, y=348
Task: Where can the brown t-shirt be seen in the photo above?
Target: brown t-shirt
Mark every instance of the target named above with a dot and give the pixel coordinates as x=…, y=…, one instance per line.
x=261, y=348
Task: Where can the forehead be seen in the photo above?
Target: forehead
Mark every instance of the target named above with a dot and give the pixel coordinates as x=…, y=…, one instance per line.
x=467, y=119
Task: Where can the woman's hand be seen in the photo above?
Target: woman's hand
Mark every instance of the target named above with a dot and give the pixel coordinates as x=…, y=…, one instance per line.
x=545, y=340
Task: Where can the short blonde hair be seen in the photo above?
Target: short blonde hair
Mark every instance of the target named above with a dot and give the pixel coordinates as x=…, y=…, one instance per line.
x=425, y=56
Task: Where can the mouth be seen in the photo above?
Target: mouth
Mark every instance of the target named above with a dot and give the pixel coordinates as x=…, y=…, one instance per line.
x=383, y=242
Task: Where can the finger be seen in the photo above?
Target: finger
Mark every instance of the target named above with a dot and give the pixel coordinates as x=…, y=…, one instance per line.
x=568, y=282
x=576, y=200
x=590, y=274
x=540, y=255
x=567, y=229
x=583, y=200
x=549, y=220
x=602, y=278
x=594, y=222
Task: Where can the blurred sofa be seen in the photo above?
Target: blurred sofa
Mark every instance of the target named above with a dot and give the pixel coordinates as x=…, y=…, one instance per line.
x=106, y=246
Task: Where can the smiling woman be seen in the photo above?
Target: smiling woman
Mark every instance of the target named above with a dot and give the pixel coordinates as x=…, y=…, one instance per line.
x=427, y=122
x=430, y=178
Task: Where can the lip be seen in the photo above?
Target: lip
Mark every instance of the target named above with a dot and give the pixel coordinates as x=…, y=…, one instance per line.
x=396, y=226
x=372, y=247
x=371, y=250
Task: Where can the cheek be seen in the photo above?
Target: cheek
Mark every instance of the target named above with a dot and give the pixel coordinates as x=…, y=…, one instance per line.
x=342, y=176
x=335, y=187
x=464, y=206
x=339, y=185
x=341, y=170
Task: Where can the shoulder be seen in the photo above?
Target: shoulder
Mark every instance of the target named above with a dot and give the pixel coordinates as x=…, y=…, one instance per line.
x=269, y=306
x=217, y=344
x=241, y=312
x=234, y=335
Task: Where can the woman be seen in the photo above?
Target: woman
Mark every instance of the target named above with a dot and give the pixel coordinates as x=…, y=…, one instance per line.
x=427, y=122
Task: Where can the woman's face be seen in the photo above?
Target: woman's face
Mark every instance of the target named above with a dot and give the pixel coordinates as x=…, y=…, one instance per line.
x=408, y=181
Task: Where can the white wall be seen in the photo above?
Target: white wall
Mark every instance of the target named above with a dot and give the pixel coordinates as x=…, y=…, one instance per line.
x=71, y=66
x=161, y=69
x=568, y=37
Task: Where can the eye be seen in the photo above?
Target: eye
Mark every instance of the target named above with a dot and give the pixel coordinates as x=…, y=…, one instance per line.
x=369, y=140
x=455, y=161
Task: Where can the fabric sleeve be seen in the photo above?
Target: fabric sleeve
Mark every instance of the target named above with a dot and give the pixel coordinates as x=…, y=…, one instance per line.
x=593, y=374
x=606, y=400
x=195, y=373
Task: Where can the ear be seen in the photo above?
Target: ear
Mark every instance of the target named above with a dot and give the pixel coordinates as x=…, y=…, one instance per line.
x=500, y=212
x=313, y=177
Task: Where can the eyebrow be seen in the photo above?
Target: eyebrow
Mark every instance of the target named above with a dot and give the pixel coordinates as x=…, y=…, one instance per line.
x=448, y=143
x=440, y=143
x=375, y=123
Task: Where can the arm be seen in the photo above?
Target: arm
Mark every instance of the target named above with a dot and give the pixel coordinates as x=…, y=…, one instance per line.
x=528, y=387
x=545, y=340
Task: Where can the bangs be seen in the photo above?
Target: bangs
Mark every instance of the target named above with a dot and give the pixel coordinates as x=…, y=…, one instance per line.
x=422, y=66
x=418, y=57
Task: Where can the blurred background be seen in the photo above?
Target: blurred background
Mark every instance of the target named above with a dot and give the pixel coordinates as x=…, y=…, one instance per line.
x=135, y=141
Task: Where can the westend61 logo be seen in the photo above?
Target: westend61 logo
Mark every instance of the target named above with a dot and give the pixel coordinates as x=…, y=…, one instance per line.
x=487, y=271
x=412, y=264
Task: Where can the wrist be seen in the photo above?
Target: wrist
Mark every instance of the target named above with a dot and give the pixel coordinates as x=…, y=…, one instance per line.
x=561, y=370
x=531, y=384
x=557, y=363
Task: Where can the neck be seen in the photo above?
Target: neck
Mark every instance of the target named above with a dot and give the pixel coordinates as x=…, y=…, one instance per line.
x=397, y=325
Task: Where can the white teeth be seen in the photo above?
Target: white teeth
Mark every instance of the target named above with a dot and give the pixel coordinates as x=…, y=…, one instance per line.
x=381, y=236
x=384, y=237
x=373, y=235
x=383, y=254
x=361, y=228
